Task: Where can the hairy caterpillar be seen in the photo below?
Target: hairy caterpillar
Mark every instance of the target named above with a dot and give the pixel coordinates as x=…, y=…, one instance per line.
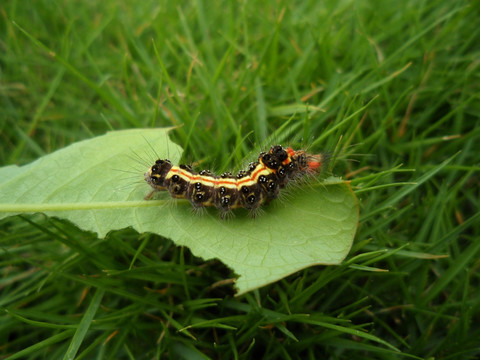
x=248, y=189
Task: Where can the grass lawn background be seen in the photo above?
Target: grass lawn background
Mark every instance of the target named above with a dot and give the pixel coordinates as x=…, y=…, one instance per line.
x=391, y=87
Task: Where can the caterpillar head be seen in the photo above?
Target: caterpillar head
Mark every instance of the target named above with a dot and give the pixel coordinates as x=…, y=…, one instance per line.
x=155, y=175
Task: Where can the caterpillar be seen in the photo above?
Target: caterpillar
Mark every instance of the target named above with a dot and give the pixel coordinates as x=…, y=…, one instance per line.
x=248, y=189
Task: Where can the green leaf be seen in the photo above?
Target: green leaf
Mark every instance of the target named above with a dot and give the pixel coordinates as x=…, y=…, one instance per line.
x=98, y=185
x=84, y=325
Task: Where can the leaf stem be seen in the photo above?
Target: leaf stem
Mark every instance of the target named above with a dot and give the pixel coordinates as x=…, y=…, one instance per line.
x=28, y=208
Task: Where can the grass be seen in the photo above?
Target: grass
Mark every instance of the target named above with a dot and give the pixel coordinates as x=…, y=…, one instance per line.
x=391, y=87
